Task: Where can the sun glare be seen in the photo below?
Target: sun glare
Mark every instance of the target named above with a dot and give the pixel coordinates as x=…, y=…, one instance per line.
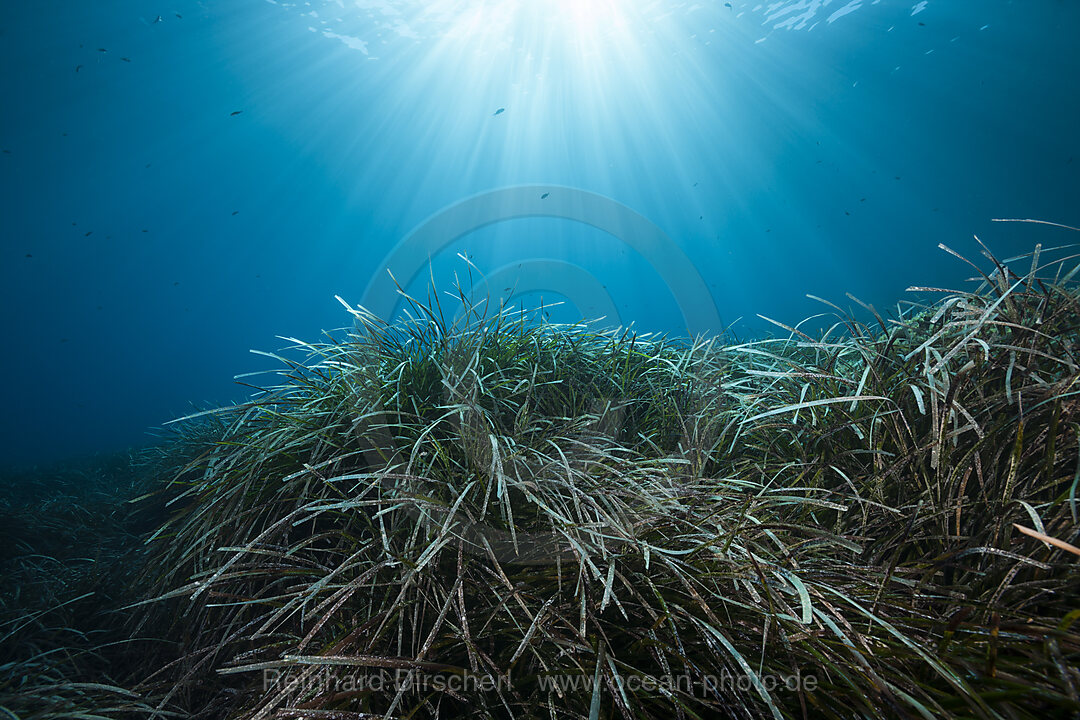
x=493, y=26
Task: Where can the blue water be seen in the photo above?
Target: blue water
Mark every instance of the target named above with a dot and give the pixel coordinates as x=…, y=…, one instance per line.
x=177, y=191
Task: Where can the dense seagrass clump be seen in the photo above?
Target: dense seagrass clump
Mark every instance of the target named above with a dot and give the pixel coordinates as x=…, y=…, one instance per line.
x=509, y=519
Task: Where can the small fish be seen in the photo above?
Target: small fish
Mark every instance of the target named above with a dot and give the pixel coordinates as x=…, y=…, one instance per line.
x=500, y=111
x=7, y=152
x=179, y=16
x=145, y=230
x=175, y=284
x=29, y=255
x=78, y=68
x=235, y=212
x=544, y=196
x=727, y=5
x=156, y=20
x=126, y=59
x=102, y=50
x=88, y=233
x=234, y=113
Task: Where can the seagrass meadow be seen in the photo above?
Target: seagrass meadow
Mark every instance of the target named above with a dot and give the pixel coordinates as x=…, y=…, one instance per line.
x=475, y=514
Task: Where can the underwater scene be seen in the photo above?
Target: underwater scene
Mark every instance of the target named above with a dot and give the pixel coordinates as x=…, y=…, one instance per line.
x=569, y=359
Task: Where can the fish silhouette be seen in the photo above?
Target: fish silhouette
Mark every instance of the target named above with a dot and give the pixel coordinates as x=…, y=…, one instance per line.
x=544, y=196
x=500, y=111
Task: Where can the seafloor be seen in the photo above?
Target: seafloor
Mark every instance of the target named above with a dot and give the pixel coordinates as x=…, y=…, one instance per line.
x=499, y=518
